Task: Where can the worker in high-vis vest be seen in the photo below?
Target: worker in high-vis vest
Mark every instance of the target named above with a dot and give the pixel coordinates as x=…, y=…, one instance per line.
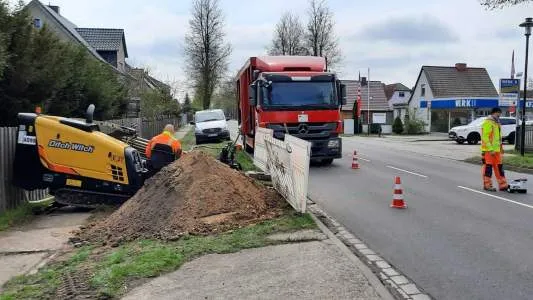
x=492, y=151
x=167, y=140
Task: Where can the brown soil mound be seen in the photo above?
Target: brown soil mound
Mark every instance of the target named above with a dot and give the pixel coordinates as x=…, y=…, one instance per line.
x=196, y=194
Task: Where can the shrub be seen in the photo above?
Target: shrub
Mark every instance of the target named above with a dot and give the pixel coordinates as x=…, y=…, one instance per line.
x=397, y=126
x=414, y=126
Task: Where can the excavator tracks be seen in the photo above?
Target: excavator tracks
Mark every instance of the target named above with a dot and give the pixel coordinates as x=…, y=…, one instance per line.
x=87, y=199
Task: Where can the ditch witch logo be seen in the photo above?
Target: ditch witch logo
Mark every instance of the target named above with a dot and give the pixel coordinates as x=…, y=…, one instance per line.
x=70, y=146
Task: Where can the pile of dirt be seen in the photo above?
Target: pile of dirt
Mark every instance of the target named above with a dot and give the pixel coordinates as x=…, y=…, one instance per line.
x=195, y=195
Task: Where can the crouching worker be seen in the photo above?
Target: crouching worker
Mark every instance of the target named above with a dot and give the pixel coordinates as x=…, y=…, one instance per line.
x=492, y=151
x=163, y=149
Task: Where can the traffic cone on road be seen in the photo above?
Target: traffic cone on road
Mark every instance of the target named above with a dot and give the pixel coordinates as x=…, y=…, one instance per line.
x=355, y=163
x=397, y=197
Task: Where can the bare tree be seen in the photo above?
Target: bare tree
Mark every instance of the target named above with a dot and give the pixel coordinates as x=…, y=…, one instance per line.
x=289, y=36
x=205, y=49
x=492, y=4
x=320, y=36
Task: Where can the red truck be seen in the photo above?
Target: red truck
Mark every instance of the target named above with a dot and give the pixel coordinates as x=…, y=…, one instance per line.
x=293, y=94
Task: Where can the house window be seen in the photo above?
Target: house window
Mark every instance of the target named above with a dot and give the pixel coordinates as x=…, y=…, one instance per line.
x=37, y=23
x=423, y=90
x=402, y=94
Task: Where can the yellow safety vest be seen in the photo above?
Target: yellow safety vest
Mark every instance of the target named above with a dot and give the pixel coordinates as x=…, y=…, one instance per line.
x=491, y=138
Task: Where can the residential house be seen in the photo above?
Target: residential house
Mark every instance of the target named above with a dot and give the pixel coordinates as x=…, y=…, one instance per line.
x=105, y=44
x=447, y=96
x=109, y=43
x=398, y=97
x=376, y=105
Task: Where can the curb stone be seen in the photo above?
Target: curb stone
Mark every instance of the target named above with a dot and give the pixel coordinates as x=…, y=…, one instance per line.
x=399, y=285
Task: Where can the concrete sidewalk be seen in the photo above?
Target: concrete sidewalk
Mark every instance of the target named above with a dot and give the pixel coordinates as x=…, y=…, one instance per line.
x=306, y=270
x=24, y=248
x=182, y=132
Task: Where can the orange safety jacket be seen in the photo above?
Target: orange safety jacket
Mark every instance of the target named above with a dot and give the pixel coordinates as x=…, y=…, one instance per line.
x=165, y=138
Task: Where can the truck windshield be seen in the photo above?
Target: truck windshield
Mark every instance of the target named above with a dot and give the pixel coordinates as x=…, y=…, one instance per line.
x=299, y=94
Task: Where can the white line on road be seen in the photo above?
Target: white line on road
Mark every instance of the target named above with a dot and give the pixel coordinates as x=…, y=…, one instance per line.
x=364, y=159
x=409, y=172
x=494, y=196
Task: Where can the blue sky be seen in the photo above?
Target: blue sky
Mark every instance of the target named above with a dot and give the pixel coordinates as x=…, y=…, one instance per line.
x=394, y=38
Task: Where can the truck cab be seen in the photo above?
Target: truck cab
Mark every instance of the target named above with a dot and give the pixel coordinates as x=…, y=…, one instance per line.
x=294, y=95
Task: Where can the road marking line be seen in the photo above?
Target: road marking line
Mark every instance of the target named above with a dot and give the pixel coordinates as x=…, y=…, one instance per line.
x=409, y=172
x=496, y=197
x=364, y=159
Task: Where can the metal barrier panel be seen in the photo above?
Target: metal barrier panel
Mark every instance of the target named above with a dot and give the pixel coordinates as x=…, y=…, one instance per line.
x=349, y=126
x=260, y=152
x=300, y=158
x=288, y=163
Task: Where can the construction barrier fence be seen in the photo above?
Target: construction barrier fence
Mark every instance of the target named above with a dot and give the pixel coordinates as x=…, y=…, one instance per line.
x=288, y=164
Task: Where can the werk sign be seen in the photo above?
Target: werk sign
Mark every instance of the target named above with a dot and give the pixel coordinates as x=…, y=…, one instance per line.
x=70, y=146
x=465, y=103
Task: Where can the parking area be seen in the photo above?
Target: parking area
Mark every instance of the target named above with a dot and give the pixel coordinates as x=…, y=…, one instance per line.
x=439, y=148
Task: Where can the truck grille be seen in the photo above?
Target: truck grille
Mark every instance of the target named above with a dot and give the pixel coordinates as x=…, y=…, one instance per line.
x=306, y=131
x=211, y=130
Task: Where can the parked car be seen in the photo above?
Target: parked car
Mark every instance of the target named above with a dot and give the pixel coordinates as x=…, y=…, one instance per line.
x=471, y=133
x=210, y=125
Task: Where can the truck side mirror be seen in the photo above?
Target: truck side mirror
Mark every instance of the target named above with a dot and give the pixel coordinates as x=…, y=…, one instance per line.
x=343, y=94
x=252, y=94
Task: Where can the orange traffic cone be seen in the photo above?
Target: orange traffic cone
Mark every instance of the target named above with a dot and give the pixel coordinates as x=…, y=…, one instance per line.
x=355, y=163
x=397, y=198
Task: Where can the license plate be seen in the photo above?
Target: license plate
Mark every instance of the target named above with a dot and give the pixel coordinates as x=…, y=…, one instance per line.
x=303, y=118
x=212, y=135
x=74, y=182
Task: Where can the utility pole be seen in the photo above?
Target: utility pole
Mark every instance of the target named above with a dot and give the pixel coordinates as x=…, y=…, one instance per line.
x=368, y=106
x=528, y=24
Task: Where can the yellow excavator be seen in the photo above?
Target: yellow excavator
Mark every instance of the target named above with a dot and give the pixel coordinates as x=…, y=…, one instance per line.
x=76, y=161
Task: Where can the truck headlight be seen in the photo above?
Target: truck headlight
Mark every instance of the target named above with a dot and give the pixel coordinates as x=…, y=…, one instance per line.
x=334, y=144
x=197, y=130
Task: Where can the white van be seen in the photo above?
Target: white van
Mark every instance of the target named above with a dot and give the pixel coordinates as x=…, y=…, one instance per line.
x=210, y=125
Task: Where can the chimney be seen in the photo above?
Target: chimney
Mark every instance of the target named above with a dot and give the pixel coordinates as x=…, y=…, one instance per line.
x=460, y=67
x=54, y=8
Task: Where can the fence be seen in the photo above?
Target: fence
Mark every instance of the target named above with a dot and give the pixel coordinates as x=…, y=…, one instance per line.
x=148, y=128
x=11, y=196
x=529, y=138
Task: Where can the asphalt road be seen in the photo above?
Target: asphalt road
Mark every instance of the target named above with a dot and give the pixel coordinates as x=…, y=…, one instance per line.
x=454, y=241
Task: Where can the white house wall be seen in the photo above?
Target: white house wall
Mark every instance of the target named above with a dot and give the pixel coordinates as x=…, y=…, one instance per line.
x=121, y=58
x=414, y=105
x=36, y=12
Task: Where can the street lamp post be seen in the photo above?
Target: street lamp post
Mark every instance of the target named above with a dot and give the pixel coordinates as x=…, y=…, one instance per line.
x=527, y=25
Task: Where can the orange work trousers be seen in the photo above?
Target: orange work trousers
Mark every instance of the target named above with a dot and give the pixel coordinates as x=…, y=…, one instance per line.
x=493, y=162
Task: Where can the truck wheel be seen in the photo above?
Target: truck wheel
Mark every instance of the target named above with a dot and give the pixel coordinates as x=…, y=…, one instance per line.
x=473, y=139
x=512, y=138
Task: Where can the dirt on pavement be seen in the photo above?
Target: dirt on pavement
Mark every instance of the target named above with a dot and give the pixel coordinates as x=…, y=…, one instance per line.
x=195, y=195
